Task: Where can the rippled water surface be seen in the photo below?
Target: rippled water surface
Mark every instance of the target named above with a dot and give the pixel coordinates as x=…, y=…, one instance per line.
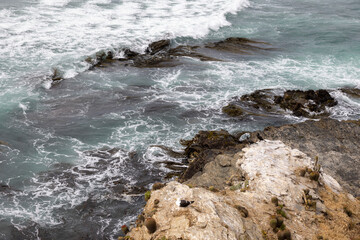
x=79, y=155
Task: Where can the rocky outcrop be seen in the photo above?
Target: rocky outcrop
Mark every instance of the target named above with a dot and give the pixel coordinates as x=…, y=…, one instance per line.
x=266, y=196
x=310, y=104
x=204, y=147
x=337, y=144
x=160, y=53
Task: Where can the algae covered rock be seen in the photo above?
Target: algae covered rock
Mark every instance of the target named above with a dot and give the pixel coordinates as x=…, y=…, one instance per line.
x=232, y=110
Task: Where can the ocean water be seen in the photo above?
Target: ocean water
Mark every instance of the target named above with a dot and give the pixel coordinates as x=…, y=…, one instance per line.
x=59, y=181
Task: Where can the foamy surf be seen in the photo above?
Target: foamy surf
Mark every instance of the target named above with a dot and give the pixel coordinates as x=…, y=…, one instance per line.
x=54, y=34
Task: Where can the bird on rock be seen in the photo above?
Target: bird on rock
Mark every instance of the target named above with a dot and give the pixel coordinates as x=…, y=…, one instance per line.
x=183, y=203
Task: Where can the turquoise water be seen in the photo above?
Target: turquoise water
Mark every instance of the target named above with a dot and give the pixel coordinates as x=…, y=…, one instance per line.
x=58, y=190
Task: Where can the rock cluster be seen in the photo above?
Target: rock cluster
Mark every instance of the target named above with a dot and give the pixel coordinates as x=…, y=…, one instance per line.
x=310, y=104
x=160, y=53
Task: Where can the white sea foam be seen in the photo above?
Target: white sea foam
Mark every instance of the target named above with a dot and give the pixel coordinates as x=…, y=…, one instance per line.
x=53, y=34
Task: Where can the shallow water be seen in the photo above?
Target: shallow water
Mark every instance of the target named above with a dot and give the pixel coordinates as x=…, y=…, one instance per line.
x=57, y=187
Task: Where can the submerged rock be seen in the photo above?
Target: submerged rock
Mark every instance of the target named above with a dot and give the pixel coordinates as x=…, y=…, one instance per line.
x=353, y=92
x=238, y=45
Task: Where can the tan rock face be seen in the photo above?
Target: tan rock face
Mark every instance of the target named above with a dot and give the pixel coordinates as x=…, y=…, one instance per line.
x=306, y=208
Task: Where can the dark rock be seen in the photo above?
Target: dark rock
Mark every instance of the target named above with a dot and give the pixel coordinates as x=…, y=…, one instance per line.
x=157, y=60
x=259, y=99
x=191, y=51
x=150, y=224
x=158, y=46
x=209, y=140
x=157, y=186
x=169, y=151
x=129, y=54
x=159, y=53
x=184, y=203
x=204, y=147
x=232, y=110
x=353, y=92
x=238, y=45
x=336, y=143
x=302, y=103
x=284, y=235
x=244, y=212
x=310, y=104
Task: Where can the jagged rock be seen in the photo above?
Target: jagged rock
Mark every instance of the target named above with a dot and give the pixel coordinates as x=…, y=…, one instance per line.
x=310, y=104
x=204, y=147
x=128, y=54
x=303, y=103
x=157, y=46
x=160, y=53
x=271, y=170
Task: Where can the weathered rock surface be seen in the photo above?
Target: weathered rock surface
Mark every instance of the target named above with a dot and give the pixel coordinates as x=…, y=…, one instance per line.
x=310, y=104
x=337, y=144
x=271, y=169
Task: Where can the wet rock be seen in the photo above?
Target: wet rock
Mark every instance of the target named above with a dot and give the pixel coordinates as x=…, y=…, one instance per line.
x=128, y=54
x=353, y=92
x=238, y=45
x=209, y=140
x=169, y=151
x=157, y=60
x=303, y=103
x=160, y=53
x=158, y=46
x=259, y=99
x=310, y=104
x=191, y=51
x=232, y=110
